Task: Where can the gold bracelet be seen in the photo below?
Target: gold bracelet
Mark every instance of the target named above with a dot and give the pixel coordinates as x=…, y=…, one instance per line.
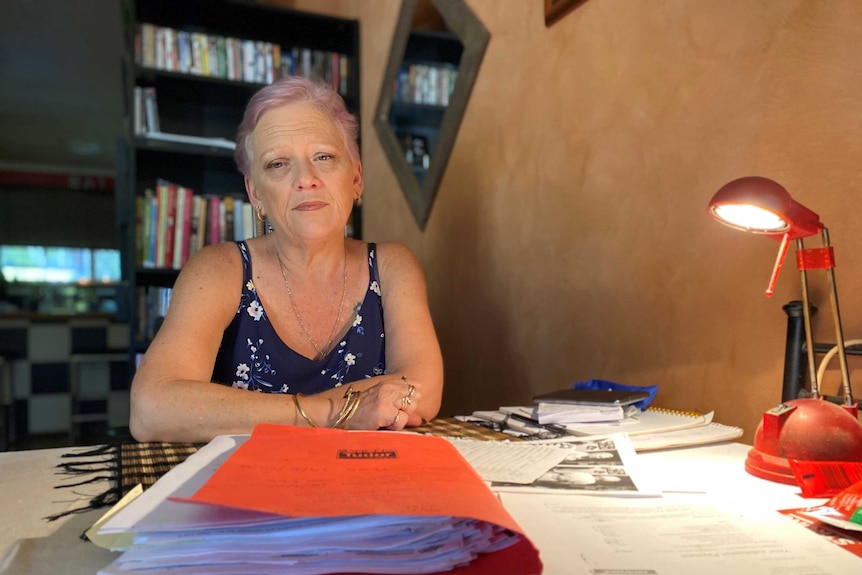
x=351, y=404
x=301, y=411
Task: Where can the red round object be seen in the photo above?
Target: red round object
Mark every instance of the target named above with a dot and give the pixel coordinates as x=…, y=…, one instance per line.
x=806, y=430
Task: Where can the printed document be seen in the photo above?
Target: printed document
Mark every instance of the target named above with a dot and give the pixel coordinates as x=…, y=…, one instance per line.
x=580, y=535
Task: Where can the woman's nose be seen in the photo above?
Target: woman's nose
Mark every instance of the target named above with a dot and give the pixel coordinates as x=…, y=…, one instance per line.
x=306, y=175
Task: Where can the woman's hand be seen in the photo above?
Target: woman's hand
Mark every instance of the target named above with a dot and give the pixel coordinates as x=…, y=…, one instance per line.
x=389, y=404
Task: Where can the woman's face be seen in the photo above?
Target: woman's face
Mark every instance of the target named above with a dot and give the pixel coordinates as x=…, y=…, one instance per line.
x=302, y=174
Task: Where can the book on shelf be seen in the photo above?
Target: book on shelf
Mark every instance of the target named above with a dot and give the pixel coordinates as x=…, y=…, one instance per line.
x=183, y=225
x=166, y=201
x=145, y=112
x=152, y=305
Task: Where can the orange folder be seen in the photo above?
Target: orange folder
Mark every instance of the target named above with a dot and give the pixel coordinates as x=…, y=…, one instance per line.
x=301, y=472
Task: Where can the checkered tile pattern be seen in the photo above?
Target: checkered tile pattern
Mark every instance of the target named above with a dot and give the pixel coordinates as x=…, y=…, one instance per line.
x=38, y=353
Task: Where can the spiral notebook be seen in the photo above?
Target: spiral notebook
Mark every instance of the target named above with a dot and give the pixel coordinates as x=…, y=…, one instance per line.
x=701, y=435
x=661, y=428
x=653, y=420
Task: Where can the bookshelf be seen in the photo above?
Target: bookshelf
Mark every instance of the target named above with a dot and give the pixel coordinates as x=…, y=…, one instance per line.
x=190, y=67
x=440, y=44
x=424, y=84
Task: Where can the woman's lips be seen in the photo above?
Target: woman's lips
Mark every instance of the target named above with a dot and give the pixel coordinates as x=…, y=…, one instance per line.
x=310, y=206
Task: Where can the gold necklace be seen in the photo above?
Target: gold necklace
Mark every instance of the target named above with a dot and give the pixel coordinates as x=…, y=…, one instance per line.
x=321, y=352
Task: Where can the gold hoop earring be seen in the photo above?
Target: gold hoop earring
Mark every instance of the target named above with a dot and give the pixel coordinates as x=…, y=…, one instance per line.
x=260, y=217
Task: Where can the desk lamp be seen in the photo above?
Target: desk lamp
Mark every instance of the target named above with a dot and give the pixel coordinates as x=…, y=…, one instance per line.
x=809, y=429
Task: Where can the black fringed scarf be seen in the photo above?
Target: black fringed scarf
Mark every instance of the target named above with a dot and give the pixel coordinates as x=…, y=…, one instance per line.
x=124, y=466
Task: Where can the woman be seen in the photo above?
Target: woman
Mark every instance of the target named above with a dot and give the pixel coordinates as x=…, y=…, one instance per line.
x=299, y=312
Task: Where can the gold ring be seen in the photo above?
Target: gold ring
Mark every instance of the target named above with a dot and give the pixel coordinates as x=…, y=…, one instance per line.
x=405, y=401
x=410, y=391
x=395, y=421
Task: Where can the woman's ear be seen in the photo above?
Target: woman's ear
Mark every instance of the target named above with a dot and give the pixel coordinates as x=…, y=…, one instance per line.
x=253, y=199
x=251, y=191
x=358, y=183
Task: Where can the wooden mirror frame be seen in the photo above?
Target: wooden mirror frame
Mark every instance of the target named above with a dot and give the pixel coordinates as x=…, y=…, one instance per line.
x=474, y=36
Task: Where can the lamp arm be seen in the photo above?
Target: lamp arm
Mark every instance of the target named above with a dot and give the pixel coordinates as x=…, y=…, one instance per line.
x=836, y=316
x=806, y=315
x=779, y=261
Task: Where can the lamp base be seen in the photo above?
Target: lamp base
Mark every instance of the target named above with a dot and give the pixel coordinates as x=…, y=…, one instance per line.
x=806, y=430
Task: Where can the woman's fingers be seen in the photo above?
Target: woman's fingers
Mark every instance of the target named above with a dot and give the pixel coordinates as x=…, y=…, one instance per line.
x=387, y=405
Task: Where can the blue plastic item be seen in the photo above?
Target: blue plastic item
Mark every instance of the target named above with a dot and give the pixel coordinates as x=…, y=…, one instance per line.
x=602, y=385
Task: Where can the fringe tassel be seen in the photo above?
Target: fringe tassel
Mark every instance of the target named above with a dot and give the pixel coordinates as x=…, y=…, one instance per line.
x=104, y=499
x=86, y=481
x=105, y=459
x=100, y=450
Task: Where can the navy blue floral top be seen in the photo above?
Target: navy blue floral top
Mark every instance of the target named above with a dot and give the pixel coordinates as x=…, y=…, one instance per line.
x=252, y=356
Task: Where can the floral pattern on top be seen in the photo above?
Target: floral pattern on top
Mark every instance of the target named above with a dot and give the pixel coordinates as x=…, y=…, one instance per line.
x=253, y=357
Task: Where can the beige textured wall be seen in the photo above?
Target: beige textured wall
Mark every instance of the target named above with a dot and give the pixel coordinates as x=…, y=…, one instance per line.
x=569, y=238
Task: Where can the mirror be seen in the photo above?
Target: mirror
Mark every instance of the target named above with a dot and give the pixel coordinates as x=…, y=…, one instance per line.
x=436, y=51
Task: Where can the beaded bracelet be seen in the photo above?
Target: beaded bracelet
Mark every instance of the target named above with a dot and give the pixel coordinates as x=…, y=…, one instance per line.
x=301, y=411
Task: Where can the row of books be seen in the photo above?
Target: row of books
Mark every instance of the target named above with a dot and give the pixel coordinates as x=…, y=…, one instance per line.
x=201, y=54
x=426, y=84
x=146, y=111
x=172, y=223
x=152, y=306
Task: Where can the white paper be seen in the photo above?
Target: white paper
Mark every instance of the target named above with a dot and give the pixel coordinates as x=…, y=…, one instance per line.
x=521, y=462
x=579, y=535
x=567, y=413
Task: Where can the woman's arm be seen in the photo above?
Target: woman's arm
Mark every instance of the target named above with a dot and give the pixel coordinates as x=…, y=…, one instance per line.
x=172, y=397
x=412, y=349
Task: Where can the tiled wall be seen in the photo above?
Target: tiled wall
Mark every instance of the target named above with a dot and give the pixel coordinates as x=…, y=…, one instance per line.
x=39, y=352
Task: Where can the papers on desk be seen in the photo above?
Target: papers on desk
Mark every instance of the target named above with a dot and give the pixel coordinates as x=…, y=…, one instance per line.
x=519, y=463
x=672, y=536
x=567, y=413
x=321, y=501
x=591, y=466
x=655, y=428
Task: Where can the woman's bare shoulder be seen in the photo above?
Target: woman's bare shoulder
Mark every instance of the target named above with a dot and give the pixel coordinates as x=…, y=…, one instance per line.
x=395, y=254
x=398, y=264
x=213, y=262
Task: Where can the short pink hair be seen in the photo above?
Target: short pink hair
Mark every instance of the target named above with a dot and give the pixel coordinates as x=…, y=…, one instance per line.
x=294, y=90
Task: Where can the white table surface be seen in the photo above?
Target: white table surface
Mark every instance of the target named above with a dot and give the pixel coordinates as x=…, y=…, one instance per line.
x=30, y=545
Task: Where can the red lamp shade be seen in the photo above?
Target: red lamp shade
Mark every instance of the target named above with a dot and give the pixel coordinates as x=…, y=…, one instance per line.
x=761, y=206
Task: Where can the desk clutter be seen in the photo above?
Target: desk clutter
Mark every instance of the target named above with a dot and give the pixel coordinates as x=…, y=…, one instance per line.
x=319, y=501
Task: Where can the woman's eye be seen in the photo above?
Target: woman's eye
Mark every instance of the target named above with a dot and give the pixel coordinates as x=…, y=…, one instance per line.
x=276, y=164
x=324, y=157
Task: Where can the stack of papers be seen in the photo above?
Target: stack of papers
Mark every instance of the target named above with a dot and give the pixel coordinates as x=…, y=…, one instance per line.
x=314, y=501
x=569, y=413
x=654, y=428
